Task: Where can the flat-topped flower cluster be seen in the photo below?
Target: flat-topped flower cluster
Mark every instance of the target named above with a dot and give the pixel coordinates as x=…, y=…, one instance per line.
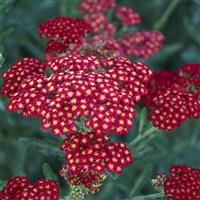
x=173, y=97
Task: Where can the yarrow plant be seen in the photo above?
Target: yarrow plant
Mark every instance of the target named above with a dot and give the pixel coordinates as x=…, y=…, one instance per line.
x=86, y=91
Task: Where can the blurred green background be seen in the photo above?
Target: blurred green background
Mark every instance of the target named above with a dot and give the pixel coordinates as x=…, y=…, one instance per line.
x=24, y=147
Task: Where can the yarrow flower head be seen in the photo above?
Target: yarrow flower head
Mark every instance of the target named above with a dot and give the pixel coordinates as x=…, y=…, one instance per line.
x=65, y=33
x=75, y=89
x=174, y=107
x=127, y=15
x=141, y=44
x=173, y=97
x=90, y=154
x=183, y=183
x=19, y=188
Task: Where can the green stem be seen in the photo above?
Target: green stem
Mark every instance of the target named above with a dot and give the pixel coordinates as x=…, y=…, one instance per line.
x=148, y=197
x=164, y=18
x=140, y=137
x=143, y=117
x=139, y=182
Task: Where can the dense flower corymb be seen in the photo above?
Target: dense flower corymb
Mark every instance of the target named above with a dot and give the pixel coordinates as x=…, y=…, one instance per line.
x=90, y=154
x=76, y=89
x=174, y=107
x=141, y=44
x=65, y=33
x=91, y=151
x=70, y=30
x=183, y=184
x=173, y=97
x=19, y=188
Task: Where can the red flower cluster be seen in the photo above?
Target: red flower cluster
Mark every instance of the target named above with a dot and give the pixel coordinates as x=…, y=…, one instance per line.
x=19, y=188
x=90, y=151
x=65, y=33
x=173, y=97
x=174, y=107
x=20, y=71
x=183, y=184
x=105, y=98
x=89, y=154
x=127, y=15
x=94, y=6
x=67, y=29
x=141, y=44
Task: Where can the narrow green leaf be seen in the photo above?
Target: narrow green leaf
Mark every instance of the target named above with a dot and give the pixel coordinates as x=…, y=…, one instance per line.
x=43, y=147
x=48, y=172
x=140, y=153
x=160, y=23
x=140, y=181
